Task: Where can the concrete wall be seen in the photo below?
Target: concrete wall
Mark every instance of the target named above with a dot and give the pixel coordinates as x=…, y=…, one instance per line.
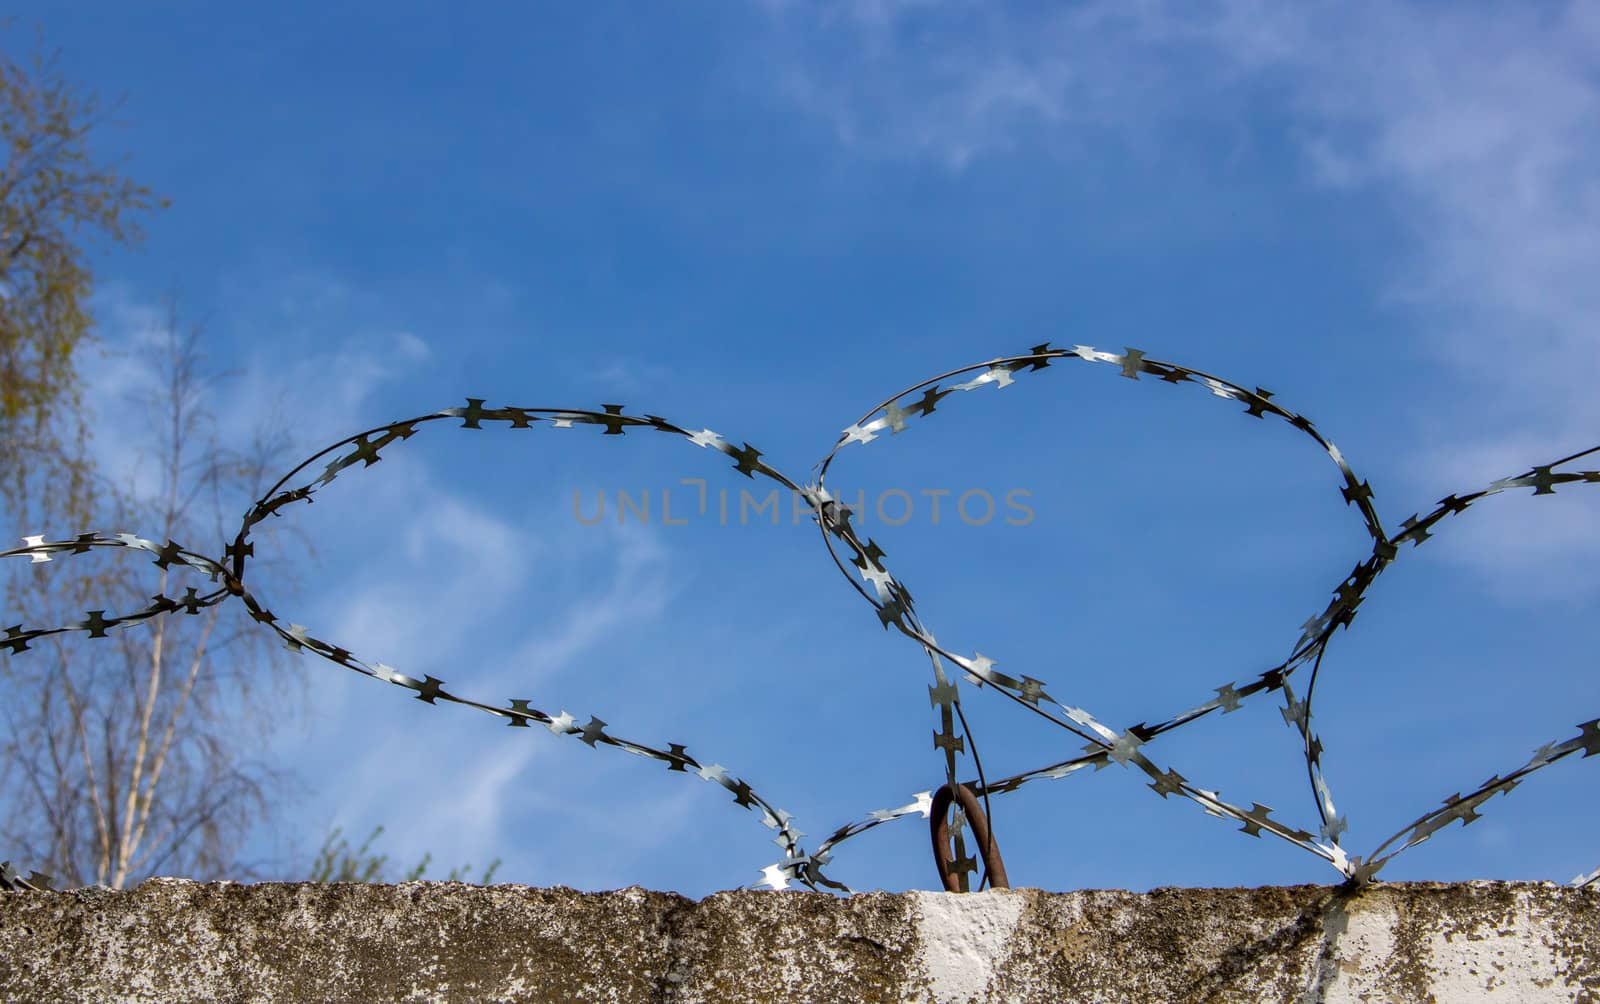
x=172, y=940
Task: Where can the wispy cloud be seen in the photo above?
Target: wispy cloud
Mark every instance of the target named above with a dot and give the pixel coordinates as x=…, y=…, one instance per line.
x=637, y=590
x=410, y=569
x=465, y=583
x=314, y=382
x=1473, y=124
x=118, y=373
x=955, y=80
x=416, y=605
x=424, y=810
x=472, y=772
x=620, y=375
x=1477, y=125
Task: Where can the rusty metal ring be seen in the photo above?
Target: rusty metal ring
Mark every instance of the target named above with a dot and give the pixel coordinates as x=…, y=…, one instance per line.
x=939, y=824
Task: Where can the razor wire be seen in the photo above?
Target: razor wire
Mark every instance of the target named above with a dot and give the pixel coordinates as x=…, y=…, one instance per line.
x=862, y=563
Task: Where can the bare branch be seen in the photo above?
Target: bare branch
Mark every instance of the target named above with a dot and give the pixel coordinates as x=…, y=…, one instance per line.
x=151, y=771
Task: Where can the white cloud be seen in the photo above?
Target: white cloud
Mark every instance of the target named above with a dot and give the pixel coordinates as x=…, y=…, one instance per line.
x=638, y=591
x=455, y=810
x=468, y=588
x=620, y=375
x=411, y=571
x=1478, y=124
x=1474, y=124
x=418, y=606
x=116, y=374
x=958, y=80
x=470, y=779
x=315, y=380
x=412, y=347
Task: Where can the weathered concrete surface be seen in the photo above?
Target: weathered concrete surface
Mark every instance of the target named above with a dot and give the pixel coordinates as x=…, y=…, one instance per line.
x=172, y=940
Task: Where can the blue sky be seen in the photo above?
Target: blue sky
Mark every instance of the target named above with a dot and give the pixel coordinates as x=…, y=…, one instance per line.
x=765, y=218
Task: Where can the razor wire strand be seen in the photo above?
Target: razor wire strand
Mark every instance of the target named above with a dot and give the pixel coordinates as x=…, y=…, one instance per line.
x=893, y=604
x=895, y=608
x=365, y=448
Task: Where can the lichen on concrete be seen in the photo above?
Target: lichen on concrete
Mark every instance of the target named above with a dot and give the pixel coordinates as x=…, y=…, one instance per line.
x=171, y=940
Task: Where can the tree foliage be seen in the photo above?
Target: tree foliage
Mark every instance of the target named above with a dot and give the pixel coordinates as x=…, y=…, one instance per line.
x=133, y=754
x=58, y=202
x=136, y=753
x=338, y=862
